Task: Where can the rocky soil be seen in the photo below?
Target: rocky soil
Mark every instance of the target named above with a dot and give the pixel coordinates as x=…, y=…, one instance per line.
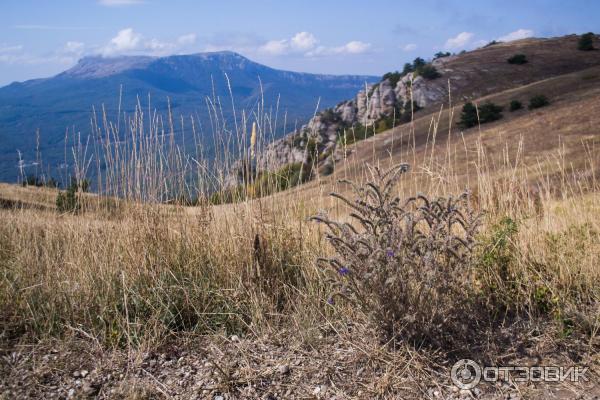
x=330, y=365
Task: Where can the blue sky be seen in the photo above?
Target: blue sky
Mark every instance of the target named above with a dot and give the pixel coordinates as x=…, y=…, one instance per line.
x=41, y=38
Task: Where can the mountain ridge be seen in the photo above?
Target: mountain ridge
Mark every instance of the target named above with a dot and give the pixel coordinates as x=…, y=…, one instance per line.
x=66, y=100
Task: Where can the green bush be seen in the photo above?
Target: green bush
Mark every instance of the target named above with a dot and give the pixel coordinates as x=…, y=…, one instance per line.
x=329, y=116
x=518, y=59
x=488, y=112
x=428, y=72
x=441, y=54
x=586, y=42
x=68, y=202
x=418, y=63
x=468, y=116
x=515, y=105
x=393, y=77
x=538, y=101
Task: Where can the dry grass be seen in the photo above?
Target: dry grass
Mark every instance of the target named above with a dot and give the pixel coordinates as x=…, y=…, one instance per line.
x=141, y=275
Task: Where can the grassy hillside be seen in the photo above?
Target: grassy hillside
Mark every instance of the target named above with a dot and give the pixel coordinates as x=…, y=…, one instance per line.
x=124, y=299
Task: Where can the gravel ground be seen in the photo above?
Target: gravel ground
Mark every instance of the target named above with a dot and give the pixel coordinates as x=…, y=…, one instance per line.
x=331, y=366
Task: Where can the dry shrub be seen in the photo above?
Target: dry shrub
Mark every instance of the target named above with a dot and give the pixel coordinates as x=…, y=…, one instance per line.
x=408, y=264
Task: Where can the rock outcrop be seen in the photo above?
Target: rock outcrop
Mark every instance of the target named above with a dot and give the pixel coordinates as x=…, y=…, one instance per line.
x=385, y=99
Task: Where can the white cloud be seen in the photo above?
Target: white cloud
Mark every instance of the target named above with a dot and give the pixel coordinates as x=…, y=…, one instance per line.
x=299, y=43
x=117, y=3
x=353, y=47
x=275, y=47
x=306, y=44
x=409, y=47
x=516, y=35
x=303, y=41
x=157, y=46
x=73, y=47
x=17, y=55
x=459, y=41
x=10, y=49
x=126, y=41
x=187, y=39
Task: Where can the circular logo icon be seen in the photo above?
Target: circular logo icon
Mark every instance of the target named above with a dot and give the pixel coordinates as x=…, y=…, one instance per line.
x=465, y=374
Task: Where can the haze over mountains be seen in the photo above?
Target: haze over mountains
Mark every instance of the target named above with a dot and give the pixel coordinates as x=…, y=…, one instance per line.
x=65, y=101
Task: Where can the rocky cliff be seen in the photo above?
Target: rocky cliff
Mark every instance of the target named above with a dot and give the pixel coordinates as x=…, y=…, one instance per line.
x=376, y=107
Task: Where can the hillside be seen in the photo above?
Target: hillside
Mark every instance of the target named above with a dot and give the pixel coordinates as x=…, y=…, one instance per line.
x=464, y=77
x=65, y=101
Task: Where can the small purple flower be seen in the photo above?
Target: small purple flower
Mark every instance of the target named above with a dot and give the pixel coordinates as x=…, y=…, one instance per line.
x=390, y=253
x=330, y=301
x=344, y=271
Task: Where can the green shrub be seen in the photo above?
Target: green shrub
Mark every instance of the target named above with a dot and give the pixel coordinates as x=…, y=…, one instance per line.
x=538, y=101
x=32, y=180
x=356, y=133
x=418, y=63
x=393, y=77
x=68, y=201
x=468, y=116
x=441, y=54
x=329, y=116
x=428, y=72
x=286, y=177
x=488, y=112
x=586, y=42
x=518, y=59
x=515, y=105
x=498, y=254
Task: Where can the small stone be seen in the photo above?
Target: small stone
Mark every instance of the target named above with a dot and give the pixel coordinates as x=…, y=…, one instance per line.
x=71, y=393
x=235, y=338
x=218, y=397
x=90, y=390
x=84, y=373
x=284, y=369
x=76, y=374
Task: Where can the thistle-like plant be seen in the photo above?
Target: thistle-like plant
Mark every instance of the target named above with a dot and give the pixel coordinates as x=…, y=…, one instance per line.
x=405, y=263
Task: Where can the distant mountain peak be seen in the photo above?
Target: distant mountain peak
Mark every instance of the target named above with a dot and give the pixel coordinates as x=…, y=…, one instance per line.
x=99, y=66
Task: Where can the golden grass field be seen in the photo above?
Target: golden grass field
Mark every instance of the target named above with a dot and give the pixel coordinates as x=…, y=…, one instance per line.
x=232, y=295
